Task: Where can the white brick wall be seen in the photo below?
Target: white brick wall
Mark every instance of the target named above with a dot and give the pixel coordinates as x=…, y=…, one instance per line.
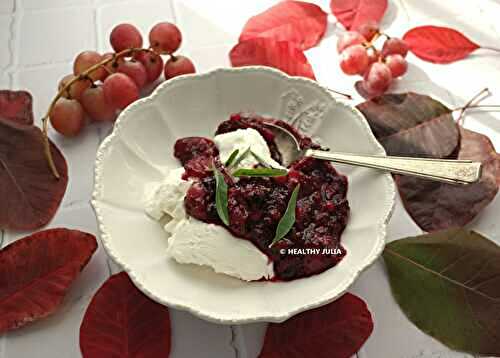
x=39, y=39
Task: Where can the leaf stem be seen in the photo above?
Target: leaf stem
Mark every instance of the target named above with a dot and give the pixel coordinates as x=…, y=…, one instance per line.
x=348, y=96
x=485, y=92
x=65, y=89
x=490, y=48
x=486, y=107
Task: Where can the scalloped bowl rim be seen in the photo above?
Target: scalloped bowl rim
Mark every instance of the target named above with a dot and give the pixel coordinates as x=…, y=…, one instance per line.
x=197, y=311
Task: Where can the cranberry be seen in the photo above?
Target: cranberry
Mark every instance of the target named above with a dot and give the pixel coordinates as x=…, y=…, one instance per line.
x=256, y=205
x=198, y=167
x=189, y=148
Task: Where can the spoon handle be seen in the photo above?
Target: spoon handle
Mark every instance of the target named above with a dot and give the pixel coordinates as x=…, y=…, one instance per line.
x=444, y=170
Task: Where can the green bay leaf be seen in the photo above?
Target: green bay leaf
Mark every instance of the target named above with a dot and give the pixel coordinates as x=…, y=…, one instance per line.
x=241, y=157
x=221, y=196
x=288, y=219
x=448, y=284
x=260, y=172
x=231, y=158
x=260, y=160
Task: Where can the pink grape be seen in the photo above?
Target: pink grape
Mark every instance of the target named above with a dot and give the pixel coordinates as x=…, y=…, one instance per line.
x=135, y=70
x=120, y=90
x=165, y=38
x=125, y=36
x=368, y=30
x=348, y=39
x=397, y=64
x=87, y=59
x=354, y=60
x=152, y=62
x=178, y=65
x=394, y=46
x=67, y=117
x=76, y=89
x=377, y=79
x=96, y=106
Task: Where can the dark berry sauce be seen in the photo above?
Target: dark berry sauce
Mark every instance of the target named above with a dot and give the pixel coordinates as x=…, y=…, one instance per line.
x=256, y=205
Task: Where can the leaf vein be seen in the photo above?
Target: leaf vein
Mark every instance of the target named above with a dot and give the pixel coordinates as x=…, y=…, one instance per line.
x=453, y=263
x=422, y=267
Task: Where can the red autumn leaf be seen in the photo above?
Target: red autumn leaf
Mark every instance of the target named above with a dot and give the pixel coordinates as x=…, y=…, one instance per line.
x=337, y=330
x=435, y=206
x=282, y=55
x=354, y=13
x=16, y=106
x=30, y=195
x=438, y=44
x=36, y=272
x=121, y=322
x=299, y=22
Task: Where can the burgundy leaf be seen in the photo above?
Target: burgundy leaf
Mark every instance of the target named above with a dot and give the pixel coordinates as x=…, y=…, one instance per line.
x=299, y=22
x=435, y=206
x=438, y=44
x=354, y=13
x=121, y=322
x=337, y=330
x=282, y=55
x=410, y=124
x=358, y=85
x=16, y=106
x=30, y=194
x=36, y=272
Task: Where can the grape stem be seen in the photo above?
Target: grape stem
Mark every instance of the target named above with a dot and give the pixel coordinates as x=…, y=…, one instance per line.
x=106, y=69
x=65, y=89
x=369, y=44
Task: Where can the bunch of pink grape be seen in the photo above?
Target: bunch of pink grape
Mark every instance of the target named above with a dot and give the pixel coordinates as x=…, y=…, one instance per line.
x=358, y=56
x=115, y=79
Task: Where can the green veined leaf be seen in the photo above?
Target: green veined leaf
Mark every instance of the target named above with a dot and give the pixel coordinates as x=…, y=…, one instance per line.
x=260, y=159
x=288, y=218
x=448, y=284
x=260, y=172
x=221, y=196
x=241, y=157
x=231, y=158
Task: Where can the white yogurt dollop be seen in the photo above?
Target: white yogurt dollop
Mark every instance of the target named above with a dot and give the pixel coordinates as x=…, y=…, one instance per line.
x=192, y=241
x=242, y=139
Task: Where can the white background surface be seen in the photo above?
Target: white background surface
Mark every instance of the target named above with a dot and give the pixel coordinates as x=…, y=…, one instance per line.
x=39, y=39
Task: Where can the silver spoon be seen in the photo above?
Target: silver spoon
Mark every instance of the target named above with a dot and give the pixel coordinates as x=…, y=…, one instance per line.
x=443, y=170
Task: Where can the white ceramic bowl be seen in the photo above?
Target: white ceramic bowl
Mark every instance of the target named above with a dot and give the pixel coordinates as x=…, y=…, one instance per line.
x=139, y=152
